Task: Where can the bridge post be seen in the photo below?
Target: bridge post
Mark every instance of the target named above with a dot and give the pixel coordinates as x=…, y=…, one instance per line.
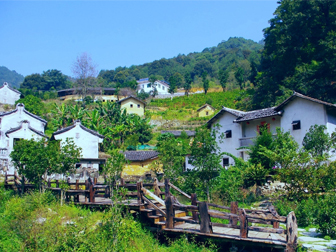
x=139, y=192
x=169, y=212
x=194, y=203
x=22, y=185
x=77, y=188
x=243, y=224
x=292, y=232
x=6, y=179
x=49, y=183
x=92, y=198
x=205, y=218
x=157, y=190
x=234, y=210
x=167, y=188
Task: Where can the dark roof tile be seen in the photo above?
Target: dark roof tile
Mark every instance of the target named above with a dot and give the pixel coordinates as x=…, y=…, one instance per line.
x=140, y=155
x=177, y=133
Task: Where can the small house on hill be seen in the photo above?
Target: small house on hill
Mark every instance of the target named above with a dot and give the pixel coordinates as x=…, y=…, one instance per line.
x=205, y=110
x=86, y=139
x=133, y=105
x=139, y=163
x=15, y=125
x=145, y=85
x=9, y=95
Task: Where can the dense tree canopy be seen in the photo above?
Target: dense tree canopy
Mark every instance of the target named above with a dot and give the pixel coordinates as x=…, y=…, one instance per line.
x=299, y=52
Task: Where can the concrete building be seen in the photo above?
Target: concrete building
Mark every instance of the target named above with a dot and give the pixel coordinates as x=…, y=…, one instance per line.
x=161, y=86
x=85, y=138
x=296, y=115
x=14, y=125
x=205, y=110
x=133, y=105
x=9, y=95
x=102, y=94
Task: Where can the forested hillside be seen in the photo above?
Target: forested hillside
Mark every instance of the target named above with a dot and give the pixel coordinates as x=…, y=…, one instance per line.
x=228, y=56
x=13, y=78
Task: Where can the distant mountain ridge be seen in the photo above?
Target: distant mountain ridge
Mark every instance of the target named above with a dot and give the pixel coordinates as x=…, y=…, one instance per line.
x=13, y=78
x=227, y=55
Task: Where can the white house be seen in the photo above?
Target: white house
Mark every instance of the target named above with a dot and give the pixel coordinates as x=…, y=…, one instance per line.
x=85, y=138
x=296, y=115
x=14, y=125
x=8, y=95
x=161, y=86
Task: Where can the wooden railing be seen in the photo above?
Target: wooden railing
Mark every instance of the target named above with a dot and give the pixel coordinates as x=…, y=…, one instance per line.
x=14, y=181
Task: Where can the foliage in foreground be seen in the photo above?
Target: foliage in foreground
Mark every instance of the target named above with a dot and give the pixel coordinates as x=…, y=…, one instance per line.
x=37, y=222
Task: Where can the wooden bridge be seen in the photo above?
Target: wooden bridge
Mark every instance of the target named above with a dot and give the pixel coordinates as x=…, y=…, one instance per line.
x=156, y=203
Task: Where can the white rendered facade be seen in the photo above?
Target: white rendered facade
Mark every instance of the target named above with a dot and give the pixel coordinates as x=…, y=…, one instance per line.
x=88, y=140
x=296, y=115
x=17, y=124
x=8, y=95
x=161, y=86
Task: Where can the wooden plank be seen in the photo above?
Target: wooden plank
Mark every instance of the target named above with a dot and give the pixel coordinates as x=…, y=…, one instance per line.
x=147, y=192
x=154, y=206
x=186, y=208
x=179, y=190
x=267, y=230
x=194, y=203
x=234, y=210
x=167, y=188
x=267, y=217
x=219, y=206
x=186, y=220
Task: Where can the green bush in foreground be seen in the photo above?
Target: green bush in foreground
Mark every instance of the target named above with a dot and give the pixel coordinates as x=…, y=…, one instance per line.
x=36, y=222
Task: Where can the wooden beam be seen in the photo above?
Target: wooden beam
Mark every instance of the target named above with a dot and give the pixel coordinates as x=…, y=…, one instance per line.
x=234, y=210
x=179, y=190
x=292, y=232
x=205, y=218
x=167, y=188
x=169, y=212
x=154, y=206
x=243, y=224
x=149, y=193
x=194, y=203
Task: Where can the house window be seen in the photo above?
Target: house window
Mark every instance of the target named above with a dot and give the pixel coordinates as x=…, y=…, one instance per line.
x=138, y=105
x=225, y=162
x=163, y=88
x=159, y=85
x=242, y=154
x=207, y=113
x=131, y=105
x=148, y=85
x=228, y=134
x=77, y=135
x=3, y=152
x=296, y=125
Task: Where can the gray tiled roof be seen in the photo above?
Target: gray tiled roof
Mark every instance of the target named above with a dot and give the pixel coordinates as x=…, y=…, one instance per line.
x=177, y=133
x=256, y=114
x=73, y=126
x=140, y=155
x=131, y=96
x=25, y=111
x=6, y=84
x=11, y=130
x=205, y=106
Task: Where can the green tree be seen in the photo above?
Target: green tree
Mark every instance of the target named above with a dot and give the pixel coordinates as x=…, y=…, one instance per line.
x=187, y=83
x=205, y=82
x=206, y=157
x=223, y=78
x=301, y=61
x=317, y=142
x=172, y=152
x=37, y=159
x=239, y=75
x=172, y=84
x=33, y=104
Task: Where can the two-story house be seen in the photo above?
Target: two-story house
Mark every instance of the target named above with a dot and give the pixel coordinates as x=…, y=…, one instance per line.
x=88, y=140
x=161, y=86
x=15, y=125
x=9, y=95
x=296, y=115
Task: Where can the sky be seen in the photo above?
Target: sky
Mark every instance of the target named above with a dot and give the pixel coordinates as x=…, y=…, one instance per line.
x=39, y=35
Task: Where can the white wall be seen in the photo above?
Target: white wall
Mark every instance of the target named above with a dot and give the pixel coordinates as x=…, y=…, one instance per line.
x=23, y=133
x=309, y=113
x=161, y=88
x=8, y=96
x=229, y=145
x=87, y=141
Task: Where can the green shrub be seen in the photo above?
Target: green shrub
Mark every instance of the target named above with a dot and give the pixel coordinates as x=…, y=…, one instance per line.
x=326, y=218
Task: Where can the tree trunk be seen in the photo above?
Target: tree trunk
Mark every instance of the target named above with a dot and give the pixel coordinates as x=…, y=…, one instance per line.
x=208, y=194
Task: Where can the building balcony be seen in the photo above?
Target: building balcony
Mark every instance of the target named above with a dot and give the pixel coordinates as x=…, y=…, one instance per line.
x=246, y=141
